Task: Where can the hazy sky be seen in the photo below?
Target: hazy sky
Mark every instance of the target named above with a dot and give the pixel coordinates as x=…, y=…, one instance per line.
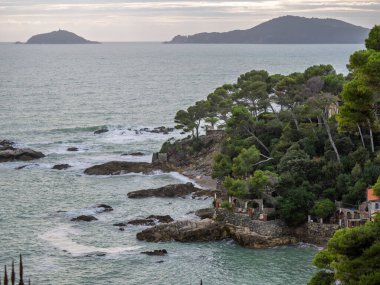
x=153, y=20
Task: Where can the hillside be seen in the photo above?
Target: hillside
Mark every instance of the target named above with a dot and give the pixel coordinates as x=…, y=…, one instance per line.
x=59, y=37
x=285, y=30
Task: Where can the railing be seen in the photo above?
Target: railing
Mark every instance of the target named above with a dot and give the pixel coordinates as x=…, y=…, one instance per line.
x=13, y=275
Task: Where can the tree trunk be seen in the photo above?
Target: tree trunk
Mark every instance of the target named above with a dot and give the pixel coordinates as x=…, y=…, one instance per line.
x=361, y=135
x=275, y=113
x=311, y=122
x=330, y=137
x=294, y=119
x=319, y=122
x=371, y=135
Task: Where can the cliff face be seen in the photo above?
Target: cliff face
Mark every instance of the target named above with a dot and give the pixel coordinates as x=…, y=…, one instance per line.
x=59, y=37
x=186, y=156
x=285, y=30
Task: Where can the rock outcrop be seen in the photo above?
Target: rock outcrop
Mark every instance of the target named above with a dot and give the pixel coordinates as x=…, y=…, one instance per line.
x=207, y=213
x=84, y=218
x=10, y=153
x=182, y=157
x=121, y=167
x=250, y=239
x=258, y=235
x=161, y=219
x=61, y=166
x=185, y=231
x=170, y=191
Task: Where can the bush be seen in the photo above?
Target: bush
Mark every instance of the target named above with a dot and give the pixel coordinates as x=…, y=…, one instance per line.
x=324, y=208
x=226, y=205
x=322, y=278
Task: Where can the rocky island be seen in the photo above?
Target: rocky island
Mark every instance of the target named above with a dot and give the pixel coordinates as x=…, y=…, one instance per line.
x=59, y=37
x=284, y=30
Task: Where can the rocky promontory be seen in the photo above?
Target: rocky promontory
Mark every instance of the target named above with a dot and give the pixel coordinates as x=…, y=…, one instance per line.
x=169, y=191
x=210, y=230
x=121, y=167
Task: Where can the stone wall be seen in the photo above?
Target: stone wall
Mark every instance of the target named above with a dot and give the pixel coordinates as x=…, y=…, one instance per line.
x=271, y=228
x=313, y=233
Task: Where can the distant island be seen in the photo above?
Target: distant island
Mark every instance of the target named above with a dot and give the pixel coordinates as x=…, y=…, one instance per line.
x=284, y=30
x=59, y=37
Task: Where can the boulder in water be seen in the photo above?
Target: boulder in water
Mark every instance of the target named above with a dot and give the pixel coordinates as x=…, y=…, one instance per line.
x=72, y=149
x=84, y=218
x=156, y=252
x=101, y=131
x=106, y=208
x=141, y=222
x=16, y=154
x=61, y=166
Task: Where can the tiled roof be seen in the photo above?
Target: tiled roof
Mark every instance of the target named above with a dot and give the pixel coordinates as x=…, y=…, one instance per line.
x=371, y=195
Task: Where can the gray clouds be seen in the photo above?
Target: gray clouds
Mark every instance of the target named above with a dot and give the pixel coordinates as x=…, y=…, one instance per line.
x=118, y=20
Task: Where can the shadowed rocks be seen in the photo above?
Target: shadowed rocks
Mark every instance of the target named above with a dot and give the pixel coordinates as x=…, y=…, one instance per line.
x=170, y=191
x=120, y=167
x=10, y=153
x=61, y=166
x=84, y=218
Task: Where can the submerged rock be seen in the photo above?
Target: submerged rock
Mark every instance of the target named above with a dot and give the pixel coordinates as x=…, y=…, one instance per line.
x=16, y=154
x=101, y=131
x=119, y=167
x=156, y=252
x=173, y=190
x=72, y=149
x=106, y=208
x=141, y=222
x=139, y=153
x=61, y=166
x=84, y=218
x=120, y=225
x=161, y=219
x=25, y=166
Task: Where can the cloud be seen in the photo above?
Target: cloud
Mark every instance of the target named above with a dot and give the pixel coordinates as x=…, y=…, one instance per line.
x=168, y=17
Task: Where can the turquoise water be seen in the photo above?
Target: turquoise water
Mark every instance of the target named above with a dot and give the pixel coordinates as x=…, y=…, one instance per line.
x=54, y=97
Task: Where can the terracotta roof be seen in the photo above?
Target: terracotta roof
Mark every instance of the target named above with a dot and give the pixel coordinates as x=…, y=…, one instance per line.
x=371, y=195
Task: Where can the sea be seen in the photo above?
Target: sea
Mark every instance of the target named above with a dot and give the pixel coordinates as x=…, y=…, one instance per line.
x=53, y=97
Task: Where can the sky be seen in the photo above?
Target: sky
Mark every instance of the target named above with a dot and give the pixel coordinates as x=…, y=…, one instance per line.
x=153, y=20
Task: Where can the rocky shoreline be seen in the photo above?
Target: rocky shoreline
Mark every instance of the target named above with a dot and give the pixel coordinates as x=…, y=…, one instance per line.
x=215, y=224
x=257, y=235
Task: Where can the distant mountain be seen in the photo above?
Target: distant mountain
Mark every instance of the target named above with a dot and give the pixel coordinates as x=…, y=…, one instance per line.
x=285, y=30
x=59, y=37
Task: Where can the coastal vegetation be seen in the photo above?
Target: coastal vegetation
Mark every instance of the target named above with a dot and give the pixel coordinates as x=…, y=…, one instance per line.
x=299, y=141
x=352, y=257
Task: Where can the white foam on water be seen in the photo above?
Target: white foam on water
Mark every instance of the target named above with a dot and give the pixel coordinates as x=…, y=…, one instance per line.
x=60, y=239
x=133, y=135
x=184, y=179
